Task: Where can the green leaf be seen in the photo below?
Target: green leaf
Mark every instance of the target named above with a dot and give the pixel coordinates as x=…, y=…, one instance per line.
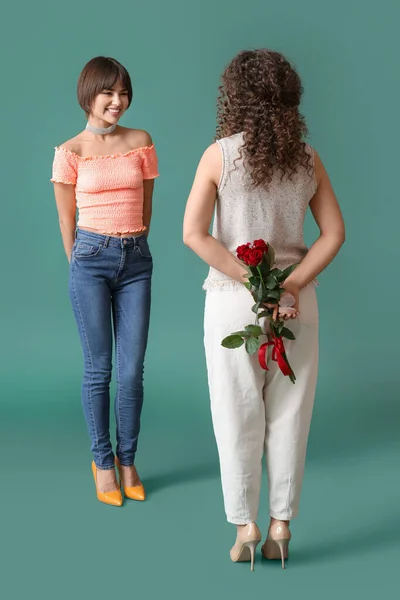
x=275, y=328
x=232, y=341
x=255, y=307
x=252, y=345
x=271, y=282
x=287, y=272
x=264, y=314
x=292, y=376
x=265, y=267
x=275, y=294
x=254, y=281
x=286, y=333
x=254, y=330
x=271, y=256
x=260, y=293
x=276, y=273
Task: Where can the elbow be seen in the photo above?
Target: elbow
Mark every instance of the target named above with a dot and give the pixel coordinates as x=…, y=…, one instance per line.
x=189, y=239
x=194, y=239
x=336, y=238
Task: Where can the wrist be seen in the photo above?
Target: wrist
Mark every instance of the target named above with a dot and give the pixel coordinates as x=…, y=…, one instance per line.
x=292, y=282
x=243, y=273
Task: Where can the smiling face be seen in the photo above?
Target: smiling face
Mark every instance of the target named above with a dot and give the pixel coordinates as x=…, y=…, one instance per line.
x=104, y=91
x=110, y=104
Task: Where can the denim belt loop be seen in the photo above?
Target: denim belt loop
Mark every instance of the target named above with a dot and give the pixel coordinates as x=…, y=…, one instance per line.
x=106, y=241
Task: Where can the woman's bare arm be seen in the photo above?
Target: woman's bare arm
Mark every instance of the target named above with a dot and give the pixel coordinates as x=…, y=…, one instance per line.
x=327, y=214
x=66, y=207
x=198, y=216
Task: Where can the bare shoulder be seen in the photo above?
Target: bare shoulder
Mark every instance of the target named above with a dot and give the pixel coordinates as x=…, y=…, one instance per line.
x=211, y=163
x=73, y=145
x=320, y=172
x=317, y=159
x=212, y=153
x=137, y=138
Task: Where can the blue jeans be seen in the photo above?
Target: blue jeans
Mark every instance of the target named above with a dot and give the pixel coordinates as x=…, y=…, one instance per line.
x=110, y=284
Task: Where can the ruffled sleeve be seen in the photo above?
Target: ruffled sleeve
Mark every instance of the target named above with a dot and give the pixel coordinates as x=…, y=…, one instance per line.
x=65, y=167
x=149, y=163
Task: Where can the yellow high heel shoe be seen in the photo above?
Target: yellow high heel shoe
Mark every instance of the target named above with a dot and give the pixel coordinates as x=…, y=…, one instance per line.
x=247, y=540
x=113, y=498
x=276, y=546
x=136, y=492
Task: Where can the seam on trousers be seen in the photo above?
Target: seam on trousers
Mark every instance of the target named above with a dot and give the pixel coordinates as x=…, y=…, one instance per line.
x=118, y=395
x=288, y=496
x=121, y=266
x=90, y=404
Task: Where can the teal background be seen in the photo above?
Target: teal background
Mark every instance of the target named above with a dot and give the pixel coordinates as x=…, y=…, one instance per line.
x=57, y=541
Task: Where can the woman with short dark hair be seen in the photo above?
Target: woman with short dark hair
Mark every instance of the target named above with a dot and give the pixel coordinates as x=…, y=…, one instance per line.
x=107, y=172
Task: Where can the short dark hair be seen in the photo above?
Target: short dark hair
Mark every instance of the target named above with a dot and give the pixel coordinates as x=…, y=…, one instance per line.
x=101, y=73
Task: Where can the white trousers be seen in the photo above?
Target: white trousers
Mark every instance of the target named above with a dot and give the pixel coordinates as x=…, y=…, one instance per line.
x=256, y=412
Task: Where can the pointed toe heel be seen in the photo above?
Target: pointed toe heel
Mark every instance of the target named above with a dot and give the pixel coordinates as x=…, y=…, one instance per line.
x=113, y=498
x=136, y=492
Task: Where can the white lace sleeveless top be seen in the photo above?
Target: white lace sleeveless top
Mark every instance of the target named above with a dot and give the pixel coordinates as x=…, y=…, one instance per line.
x=244, y=214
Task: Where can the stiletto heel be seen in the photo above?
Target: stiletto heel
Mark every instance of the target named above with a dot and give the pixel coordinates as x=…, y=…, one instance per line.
x=283, y=549
x=246, y=543
x=252, y=547
x=276, y=546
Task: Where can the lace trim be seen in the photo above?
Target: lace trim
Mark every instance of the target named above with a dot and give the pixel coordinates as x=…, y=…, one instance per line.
x=222, y=284
x=95, y=156
x=229, y=285
x=65, y=182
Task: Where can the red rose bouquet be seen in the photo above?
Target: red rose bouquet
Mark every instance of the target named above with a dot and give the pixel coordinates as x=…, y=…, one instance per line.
x=265, y=284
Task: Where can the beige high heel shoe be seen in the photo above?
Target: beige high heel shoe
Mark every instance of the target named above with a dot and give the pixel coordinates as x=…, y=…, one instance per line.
x=247, y=540
x=276, y=546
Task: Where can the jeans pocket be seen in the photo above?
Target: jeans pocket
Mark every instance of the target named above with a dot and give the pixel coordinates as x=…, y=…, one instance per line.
x=143, y=247
x=86, y=250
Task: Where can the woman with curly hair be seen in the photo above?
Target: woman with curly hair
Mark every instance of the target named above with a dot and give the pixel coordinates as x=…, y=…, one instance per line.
x=260, y=177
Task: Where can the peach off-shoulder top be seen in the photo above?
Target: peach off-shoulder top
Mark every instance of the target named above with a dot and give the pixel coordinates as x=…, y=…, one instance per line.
x=108, y=189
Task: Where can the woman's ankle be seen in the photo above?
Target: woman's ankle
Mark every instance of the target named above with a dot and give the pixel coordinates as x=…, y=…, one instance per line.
x=130, y=476
x=106, y=480
x=274, y=521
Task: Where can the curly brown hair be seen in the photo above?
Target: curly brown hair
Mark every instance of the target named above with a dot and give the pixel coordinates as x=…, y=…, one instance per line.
x=260, y=96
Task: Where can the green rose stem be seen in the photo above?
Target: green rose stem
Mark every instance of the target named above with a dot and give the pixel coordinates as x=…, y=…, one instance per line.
x=250, y=336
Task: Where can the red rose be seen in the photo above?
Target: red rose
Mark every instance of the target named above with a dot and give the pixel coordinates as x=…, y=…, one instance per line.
x=241, y=251
x=246, y=255
x=260, y=245
x=254, y=257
